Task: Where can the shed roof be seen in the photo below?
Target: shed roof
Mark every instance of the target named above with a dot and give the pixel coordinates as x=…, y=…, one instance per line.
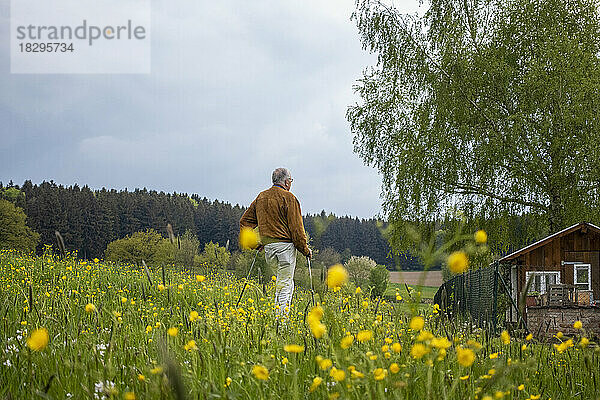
x=547, y=239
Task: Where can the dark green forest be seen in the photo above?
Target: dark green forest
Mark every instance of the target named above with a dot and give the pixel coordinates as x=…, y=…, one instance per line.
x=89, y=220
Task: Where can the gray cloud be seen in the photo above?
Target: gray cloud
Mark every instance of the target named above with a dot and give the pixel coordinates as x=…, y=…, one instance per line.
x=236, y=89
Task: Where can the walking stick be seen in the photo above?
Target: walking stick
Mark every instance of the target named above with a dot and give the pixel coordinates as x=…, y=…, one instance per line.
x=312, y=292
x=247, y=277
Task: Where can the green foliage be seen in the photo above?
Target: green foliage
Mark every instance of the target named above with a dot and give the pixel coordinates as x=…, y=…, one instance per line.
x=490, y=107
x=12, y=194
x=186, y=248
x=214, y=256
x=14, y=232
x=379, y=278
x=242, y=261
x=149, y=246
x=359, y=270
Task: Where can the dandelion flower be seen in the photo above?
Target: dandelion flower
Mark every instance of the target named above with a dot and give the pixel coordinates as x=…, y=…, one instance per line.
x=346, y=341
x=89, y=308
x=337, y=374
x=191, y=345
x=336, y=276
x=324, y=364
x=364, y=336
x=417, y=323
x=464, y=378
x=529, y=337
x=358, y=290
x=161, y=287
x=397, y=347
x=38, y=340
x=260, y=372
x=458, y=262
x=418, y=351
x=293, y=348
x=193, y=316
x=156, y=370
x=480, y=236
x=379, y=374
x=315, y=384
x=394, y=368
x=577, y=325
x=200, y=278
x=228, y=381
x=521, y=387
x=465, y=357
x=318, y=329
x=173, y=331
x=129, y=396
x=248, y=238
x=505, y=337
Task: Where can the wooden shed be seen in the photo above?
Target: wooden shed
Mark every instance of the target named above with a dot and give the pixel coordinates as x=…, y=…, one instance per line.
x=569, y=258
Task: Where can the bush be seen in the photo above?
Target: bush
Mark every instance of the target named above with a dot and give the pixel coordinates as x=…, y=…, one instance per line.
x=359, y=269
x=14, y=232
x=213, y=256
x=149, y=246
x=186, y=248
x=242, y=261
x=379, y=278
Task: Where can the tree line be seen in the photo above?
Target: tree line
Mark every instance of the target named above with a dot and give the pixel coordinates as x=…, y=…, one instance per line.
x=89, y=220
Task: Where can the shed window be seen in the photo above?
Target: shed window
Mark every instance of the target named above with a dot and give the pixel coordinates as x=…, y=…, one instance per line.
x=541, y=279
x=581, y=276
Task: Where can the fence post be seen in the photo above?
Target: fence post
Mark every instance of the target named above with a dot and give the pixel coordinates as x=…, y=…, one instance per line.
x=495, y=297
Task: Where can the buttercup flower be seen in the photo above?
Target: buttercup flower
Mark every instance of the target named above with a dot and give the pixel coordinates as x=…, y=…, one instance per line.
x=458, y=262
x=38, y=340
x=337, y=276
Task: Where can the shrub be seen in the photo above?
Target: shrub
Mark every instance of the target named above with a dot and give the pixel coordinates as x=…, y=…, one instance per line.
x=379, y=278
x=14, y=232
x=213, y=256
x=149, y=246
x=359, y=269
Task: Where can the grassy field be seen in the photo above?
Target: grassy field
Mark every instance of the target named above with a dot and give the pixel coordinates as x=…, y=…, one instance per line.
x=427, y=292
x=74, y=329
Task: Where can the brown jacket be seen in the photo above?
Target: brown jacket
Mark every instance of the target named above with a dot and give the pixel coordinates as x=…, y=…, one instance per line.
x=277, y=214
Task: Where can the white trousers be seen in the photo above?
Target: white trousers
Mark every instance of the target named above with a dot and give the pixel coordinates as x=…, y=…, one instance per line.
x=282, y=256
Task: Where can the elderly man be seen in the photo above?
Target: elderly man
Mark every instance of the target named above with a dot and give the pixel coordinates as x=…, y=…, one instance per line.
x=276, y=212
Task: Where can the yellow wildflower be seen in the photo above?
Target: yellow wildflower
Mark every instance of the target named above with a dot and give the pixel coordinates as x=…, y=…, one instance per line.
x=173, y=331
x=480, y=236
x=418, y=351
x=458, y=262
x=336, y=276
x=397, y=347
x=248, y=238
x=417, y=323
x=577, y=325
x=293, y=348
x=260, y=372
x=337, y=374
x=394, y=368
x=315, y=384
x=129, y=396
x=38, y=340
x=364, y=336
x=505, y=337
x=89, y=308
x=346, y=341
x=200, y=278
x=465, y=357
x=379, y=374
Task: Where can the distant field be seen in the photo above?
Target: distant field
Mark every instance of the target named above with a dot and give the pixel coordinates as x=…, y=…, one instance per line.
x=427, y=292
x=432, y=278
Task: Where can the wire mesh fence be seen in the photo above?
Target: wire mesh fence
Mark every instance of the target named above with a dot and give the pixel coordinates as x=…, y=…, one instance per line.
x=473, y=295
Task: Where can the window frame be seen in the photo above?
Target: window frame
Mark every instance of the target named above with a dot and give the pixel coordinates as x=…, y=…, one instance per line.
x=543, y=283
x=589, y=271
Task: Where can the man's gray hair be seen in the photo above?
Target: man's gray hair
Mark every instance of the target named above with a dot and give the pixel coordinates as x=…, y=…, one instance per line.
x=280, y=175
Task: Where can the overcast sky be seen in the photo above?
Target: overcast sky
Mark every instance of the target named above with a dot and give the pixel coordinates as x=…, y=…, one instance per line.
x=237, y=88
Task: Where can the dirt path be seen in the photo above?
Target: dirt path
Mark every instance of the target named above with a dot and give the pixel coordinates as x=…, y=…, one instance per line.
x=433, y=278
